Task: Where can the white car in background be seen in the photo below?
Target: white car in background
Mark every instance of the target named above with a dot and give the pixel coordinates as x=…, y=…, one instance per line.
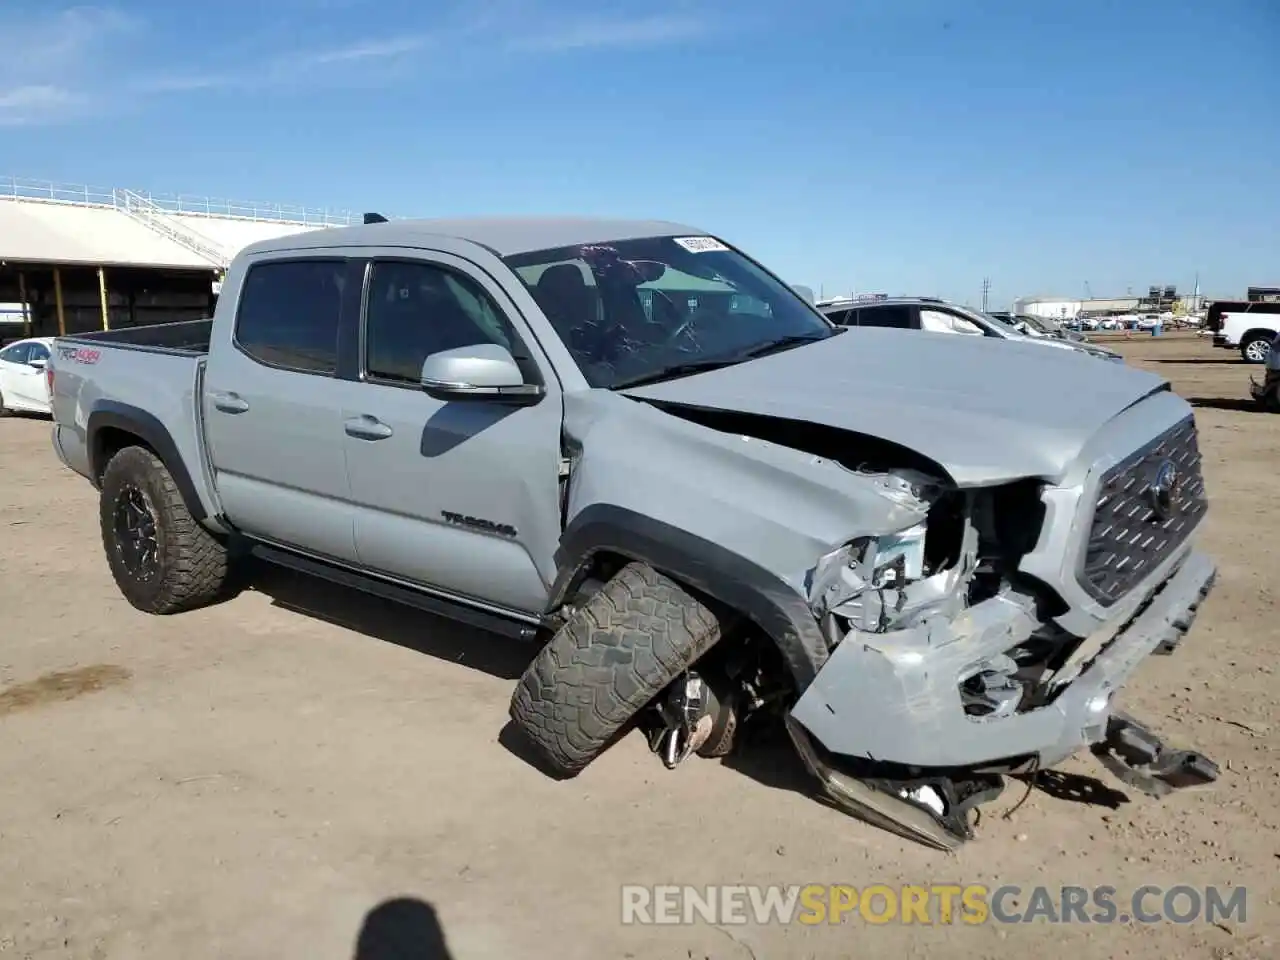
x=23, y=386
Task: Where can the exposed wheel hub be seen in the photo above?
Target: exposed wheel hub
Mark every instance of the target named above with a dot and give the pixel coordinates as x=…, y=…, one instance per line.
x=687, y=713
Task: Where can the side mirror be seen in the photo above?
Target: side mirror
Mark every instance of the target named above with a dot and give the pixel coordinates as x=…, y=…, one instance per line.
x=484, y=371
x=37, y=364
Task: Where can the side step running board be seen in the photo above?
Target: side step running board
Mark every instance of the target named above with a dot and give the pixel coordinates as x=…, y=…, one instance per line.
x=438, y=606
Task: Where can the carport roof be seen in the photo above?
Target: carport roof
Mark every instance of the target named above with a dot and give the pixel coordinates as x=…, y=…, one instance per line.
x=52, y=232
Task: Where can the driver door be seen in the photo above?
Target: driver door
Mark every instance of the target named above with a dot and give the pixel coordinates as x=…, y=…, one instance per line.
x=461, y=496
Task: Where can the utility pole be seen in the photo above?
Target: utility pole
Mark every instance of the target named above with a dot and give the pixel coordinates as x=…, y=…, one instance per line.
x=986, y=293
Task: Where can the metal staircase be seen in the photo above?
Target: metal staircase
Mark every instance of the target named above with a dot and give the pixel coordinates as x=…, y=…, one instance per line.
x=155, y=217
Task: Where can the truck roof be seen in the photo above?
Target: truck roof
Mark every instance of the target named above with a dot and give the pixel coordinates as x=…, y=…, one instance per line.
x=501, y=235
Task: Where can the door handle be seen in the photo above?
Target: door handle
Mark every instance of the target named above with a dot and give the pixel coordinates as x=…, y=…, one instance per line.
x=365, y=427
x=230, y=402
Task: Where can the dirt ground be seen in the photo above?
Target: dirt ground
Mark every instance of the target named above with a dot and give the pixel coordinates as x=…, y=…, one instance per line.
x=254, y=779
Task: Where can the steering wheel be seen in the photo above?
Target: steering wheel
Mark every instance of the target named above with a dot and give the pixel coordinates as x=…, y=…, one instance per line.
x=683, y=329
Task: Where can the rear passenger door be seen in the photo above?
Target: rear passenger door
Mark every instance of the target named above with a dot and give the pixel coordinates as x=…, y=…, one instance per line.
x=460, y=496
x=272, y=405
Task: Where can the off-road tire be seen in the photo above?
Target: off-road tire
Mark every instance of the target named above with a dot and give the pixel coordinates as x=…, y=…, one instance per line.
x=613, y=656
x=192, y=568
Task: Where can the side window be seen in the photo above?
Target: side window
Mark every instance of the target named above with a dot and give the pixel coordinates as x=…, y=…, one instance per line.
x=416, y=309
x=939, y=321
x=898, y=316
x=38, y=352
x=16, y=354
x=289, y=312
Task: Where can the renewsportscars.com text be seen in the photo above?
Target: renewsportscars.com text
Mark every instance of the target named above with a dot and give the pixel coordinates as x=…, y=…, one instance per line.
x=933, y=904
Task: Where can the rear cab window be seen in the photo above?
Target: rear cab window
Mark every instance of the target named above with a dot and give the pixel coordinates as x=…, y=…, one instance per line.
x=289, y=313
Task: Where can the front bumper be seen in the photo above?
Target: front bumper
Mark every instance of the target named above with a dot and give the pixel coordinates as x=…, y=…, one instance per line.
x=895, y=697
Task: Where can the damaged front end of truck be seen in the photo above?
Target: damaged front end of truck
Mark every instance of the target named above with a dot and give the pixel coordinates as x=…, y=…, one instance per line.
x=958, y=583
x=948, y=671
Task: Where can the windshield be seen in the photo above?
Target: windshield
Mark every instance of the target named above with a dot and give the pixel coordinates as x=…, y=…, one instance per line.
x=634, y=310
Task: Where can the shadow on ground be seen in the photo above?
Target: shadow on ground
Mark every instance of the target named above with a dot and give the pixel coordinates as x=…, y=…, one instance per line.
x=1194, y=361
x=764, y=753
x=1077, y=788
x=1224, y=403
x=392, y=622
x=405, y=928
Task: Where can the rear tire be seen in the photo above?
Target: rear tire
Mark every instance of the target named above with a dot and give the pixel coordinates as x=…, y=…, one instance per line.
x=161, y=558
x=615, y=654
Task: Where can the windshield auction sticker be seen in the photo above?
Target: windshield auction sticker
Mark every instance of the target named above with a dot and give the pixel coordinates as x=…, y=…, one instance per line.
x=700, y=244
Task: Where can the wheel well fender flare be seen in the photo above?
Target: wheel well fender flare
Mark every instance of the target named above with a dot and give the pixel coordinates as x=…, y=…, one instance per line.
x=721, y=574
x=109, y=418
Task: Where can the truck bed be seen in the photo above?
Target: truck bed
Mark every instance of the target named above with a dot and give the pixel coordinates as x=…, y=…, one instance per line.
x=189, y=336
x=144, y=380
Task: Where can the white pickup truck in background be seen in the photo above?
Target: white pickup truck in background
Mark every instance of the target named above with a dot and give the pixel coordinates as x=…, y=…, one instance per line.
x=1247, y=327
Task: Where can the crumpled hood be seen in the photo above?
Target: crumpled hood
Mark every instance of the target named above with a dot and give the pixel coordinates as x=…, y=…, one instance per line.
x=988, y=411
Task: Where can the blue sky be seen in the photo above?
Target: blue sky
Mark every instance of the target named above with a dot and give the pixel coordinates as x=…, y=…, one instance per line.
x=905, y=146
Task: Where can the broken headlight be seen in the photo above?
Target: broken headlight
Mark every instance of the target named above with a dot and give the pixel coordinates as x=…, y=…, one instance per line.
x=897, y=559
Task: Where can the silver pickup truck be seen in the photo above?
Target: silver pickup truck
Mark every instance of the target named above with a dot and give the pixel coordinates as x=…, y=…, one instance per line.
x=633, y=445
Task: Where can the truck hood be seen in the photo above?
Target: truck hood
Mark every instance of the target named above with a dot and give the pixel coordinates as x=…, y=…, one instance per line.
x=987, y=411
x=1080, y=346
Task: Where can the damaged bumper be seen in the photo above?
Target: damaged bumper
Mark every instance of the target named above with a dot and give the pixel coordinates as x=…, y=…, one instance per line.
x=897, y=697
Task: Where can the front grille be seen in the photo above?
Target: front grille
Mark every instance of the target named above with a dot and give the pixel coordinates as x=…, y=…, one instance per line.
x=1134, y=528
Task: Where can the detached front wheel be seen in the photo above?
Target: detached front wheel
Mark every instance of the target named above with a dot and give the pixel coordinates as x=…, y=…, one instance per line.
x=161, y=558
x=616, y=653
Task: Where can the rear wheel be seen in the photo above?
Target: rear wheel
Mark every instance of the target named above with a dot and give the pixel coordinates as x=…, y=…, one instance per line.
x=1256, y=348
x=161, y=558
x=615, y=654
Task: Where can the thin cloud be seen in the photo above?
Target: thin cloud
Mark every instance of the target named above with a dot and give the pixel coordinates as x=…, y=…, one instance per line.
x=316, y=67
x=61, y=64
x=24, y=106
x=48, y=60
x=623, y=32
